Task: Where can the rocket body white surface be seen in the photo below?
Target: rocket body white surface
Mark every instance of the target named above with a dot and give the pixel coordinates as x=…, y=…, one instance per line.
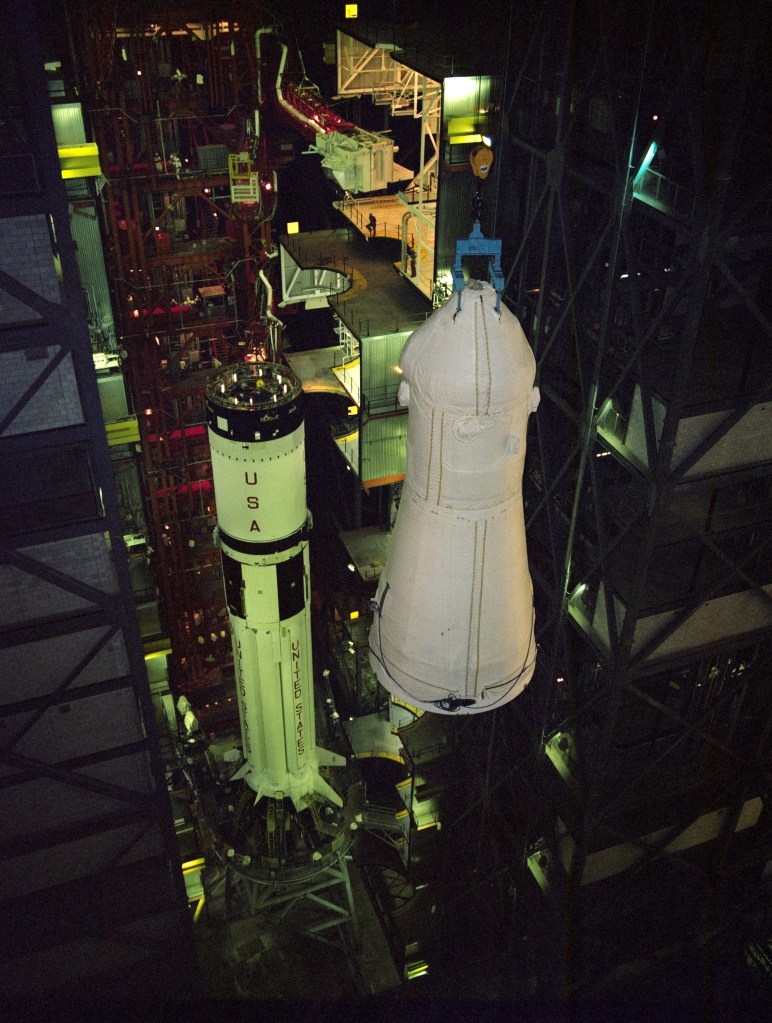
x=257, y=441
x=453, y=628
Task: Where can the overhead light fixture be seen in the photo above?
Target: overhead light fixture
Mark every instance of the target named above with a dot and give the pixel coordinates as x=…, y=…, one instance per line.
x=651, y=152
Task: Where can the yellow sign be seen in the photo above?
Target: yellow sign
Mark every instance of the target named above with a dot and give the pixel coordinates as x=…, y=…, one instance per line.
x=352, y=10
x=293, y=227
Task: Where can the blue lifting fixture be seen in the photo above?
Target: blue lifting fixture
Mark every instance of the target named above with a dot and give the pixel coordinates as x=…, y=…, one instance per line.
x=477, y=244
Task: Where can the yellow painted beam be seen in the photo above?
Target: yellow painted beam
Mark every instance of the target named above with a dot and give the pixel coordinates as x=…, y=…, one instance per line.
x=462, y=126
x=464, y=140
x=399, y=702
x=80, y=161
x=123, y=431
x=156, y=648
x=381, y=754
x=192, y=865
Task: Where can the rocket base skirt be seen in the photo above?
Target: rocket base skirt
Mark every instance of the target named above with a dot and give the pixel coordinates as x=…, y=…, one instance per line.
x=453, y=628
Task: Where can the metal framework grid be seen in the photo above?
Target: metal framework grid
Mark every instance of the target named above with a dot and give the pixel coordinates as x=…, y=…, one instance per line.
x=93, y=899
x=635, y=264
x=613, y=822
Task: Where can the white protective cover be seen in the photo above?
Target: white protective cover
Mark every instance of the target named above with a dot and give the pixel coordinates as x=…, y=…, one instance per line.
x=453, y=623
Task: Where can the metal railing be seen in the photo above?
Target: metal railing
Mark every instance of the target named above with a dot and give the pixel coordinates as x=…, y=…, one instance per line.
x=668, y=196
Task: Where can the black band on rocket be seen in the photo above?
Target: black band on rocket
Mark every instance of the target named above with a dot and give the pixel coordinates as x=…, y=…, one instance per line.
x=290, y=585
x=253, y=425
x=267, y=546
x=254, y=402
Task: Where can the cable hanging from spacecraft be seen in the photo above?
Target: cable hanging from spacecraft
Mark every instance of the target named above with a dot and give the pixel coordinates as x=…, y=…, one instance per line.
x=510, y=683
x=475, y=591
x=489, y=377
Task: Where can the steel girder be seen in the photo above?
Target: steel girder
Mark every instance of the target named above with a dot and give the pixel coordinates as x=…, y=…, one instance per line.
x=622, y=297
x=83, y=790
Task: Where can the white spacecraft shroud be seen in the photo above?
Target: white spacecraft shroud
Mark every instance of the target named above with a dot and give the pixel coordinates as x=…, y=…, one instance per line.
x=257, y=441
x=453, y=625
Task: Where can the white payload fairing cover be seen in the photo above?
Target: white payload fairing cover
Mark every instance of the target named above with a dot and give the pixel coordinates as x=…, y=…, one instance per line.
x=453, y=626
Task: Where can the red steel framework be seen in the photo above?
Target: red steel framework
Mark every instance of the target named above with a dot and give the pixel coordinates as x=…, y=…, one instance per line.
x=170, y=92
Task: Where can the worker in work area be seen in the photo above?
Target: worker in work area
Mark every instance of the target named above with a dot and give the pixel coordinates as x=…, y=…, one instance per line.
x=411, y=257
x=371, y=225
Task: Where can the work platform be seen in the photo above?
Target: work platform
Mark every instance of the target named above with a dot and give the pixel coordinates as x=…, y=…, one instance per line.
x=354, y=277
x=368, y=549
x=376, y=310
x=314, y=369
x=407, y=221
